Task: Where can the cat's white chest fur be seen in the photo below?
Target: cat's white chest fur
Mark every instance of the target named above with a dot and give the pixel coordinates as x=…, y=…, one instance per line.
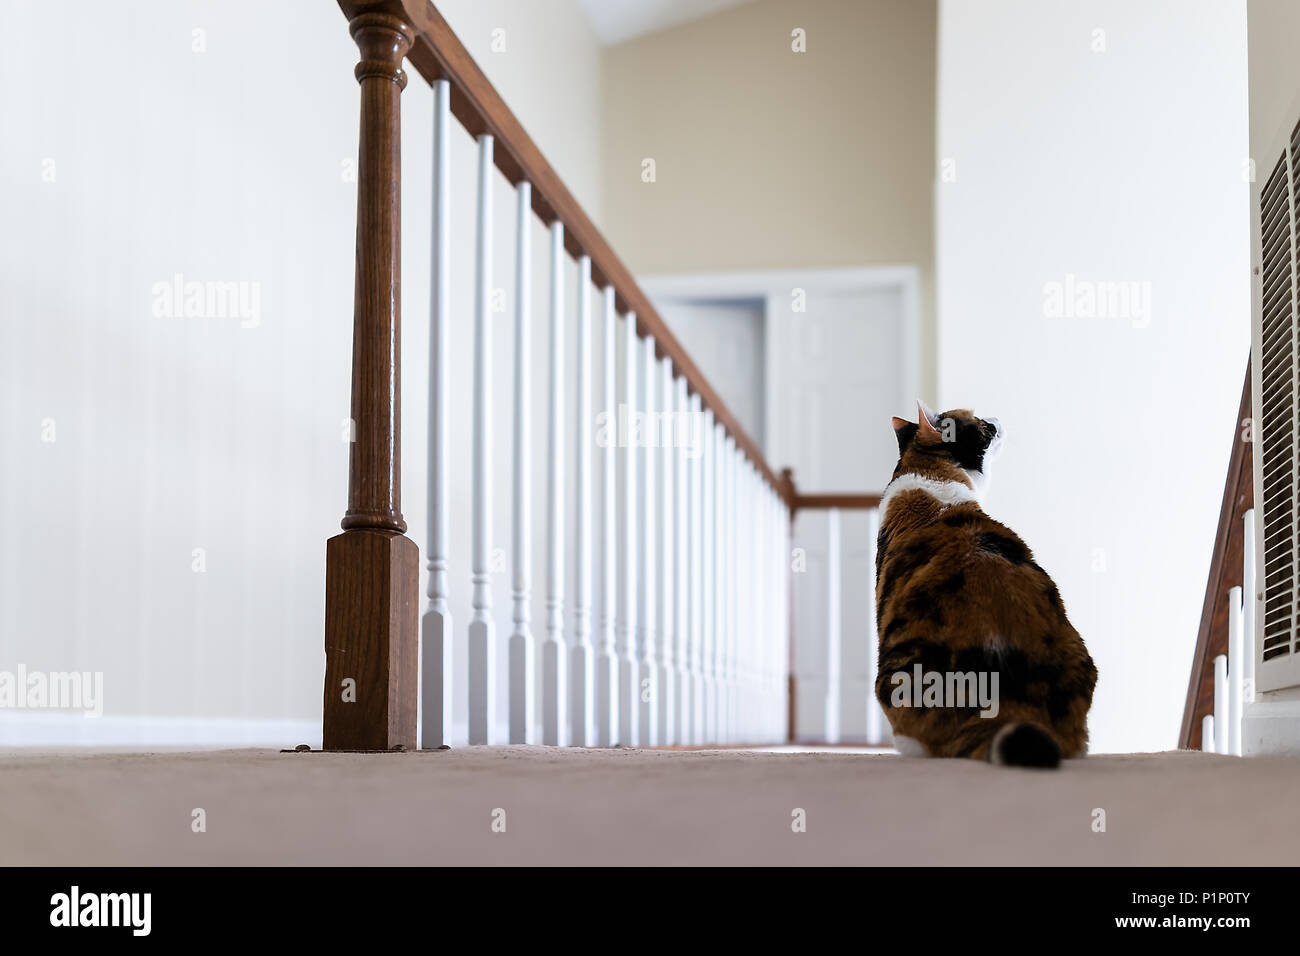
x=947, y=493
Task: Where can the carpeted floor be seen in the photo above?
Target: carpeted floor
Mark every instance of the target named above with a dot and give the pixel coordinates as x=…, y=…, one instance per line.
x=638, y=807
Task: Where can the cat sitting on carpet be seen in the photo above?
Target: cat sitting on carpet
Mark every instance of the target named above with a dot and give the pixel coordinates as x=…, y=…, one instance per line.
x=960, y=604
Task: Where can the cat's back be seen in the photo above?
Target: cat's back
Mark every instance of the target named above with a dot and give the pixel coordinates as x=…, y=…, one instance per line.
x=962, y=575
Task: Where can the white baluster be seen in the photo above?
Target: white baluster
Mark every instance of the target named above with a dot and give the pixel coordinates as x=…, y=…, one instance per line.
x=700, y=434
x=554, y=655
x=771, y=608
x=747, y=600
x=436, y=628
x=1249, y=596
x=708, y=635
x=730, y=581
x=1221, y=704
x=875, y=715
x=772, y=667
x=582, y=689
x=629, y=691
x=1235, y=664
x=764, y=623
x=520, y=651
x=682, y=537
x=777, y=551
x=781, y=583
x=715, y=585
x=1207, y=734
x=743, y=596
x=749, y=640
x=760, y=655
x=719, y=580
x=765, y=612
x=739, y=588
x=482, y=631
x=834, y=624
x=647, y=691
x=750, y=604
x=607, y=704
x=665, y=674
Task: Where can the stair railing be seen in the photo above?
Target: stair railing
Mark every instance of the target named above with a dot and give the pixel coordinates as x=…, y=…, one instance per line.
x=679, y=632
x=1222, y=673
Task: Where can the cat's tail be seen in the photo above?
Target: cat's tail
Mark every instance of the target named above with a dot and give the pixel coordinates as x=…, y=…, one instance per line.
x=1009, y=743
x=1020, y=744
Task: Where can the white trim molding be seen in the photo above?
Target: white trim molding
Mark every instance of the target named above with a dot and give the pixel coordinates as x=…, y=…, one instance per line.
x=1271, y=725
x=53, y=729
x=761, y=283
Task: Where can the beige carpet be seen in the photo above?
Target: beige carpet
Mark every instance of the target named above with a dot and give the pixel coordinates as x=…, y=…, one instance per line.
x=639, y=807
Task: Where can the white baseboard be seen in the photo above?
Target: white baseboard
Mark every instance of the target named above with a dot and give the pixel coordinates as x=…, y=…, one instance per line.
x=35, y=728
x=1271, y=727
x=55, y=729
x=32, y=728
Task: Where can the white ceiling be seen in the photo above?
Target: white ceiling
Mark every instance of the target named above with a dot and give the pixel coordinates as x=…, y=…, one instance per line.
x=617, y=20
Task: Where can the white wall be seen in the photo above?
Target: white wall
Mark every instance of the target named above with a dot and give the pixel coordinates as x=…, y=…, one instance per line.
x=1117, y=165
x=176, y=434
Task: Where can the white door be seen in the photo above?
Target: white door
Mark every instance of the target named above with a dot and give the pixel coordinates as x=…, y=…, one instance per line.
x=836, y=373
x=725, y=339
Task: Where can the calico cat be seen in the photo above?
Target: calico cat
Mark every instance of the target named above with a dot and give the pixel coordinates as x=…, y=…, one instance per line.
x=957, y=593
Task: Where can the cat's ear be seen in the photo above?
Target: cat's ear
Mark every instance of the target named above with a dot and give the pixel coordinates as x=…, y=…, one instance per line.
x=904, y=432
x=927, y=417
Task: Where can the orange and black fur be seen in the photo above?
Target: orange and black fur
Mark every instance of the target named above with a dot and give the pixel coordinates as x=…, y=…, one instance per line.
x=957, y=592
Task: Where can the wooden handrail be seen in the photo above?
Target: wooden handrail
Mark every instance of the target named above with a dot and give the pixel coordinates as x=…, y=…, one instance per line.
x=1225, y=573
x=845, y=502
x=437, y=54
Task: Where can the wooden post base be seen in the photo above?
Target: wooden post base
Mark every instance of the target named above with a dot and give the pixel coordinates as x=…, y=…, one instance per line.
x=371, y=641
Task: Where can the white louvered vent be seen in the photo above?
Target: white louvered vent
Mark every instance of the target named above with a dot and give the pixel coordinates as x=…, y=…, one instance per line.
x=1278, y=392
x=1278, y=467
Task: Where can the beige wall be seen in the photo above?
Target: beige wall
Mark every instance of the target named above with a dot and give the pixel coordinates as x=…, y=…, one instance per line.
x=770, y=159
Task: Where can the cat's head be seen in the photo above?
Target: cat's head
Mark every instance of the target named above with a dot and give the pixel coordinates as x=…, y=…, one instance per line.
x=948, y=445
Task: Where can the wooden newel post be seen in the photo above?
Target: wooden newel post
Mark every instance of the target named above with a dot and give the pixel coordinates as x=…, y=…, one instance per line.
x=372, y=568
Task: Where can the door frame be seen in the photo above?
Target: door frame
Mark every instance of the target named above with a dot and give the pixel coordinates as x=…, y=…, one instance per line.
x=773, y=284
